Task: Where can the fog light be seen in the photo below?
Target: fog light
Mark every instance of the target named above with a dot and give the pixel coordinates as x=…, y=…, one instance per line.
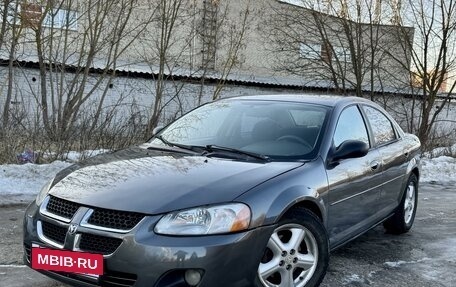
x=192, y=277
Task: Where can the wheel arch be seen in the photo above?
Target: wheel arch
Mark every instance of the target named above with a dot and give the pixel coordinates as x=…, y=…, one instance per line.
x=416, y=172
x=413, y=167
x=312, y=204
x=267, y=212
x=306, y=204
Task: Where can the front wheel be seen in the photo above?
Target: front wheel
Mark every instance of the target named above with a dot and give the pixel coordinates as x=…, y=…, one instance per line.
x=403, y=218
x=297, y=252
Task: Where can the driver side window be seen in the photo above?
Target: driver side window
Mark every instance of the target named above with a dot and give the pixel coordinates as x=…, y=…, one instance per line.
x=350, y=126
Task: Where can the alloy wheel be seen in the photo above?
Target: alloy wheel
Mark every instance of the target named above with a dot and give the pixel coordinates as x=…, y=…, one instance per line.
x=409, y=203
x=290, y=258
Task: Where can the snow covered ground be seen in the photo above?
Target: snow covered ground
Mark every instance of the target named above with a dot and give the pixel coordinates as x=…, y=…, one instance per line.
x=439, y=170
x=21, y=183
x=437, y=167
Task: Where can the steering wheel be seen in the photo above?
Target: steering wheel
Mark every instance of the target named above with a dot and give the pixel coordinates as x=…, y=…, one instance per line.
x=294, y=139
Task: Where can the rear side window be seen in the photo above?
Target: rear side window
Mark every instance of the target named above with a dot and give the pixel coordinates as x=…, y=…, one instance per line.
x=350, y=126
x=381, y=126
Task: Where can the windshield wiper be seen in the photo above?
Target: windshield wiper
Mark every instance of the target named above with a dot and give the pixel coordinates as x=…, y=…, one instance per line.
x=182, y=146
x=216, y=148
x=211, y=149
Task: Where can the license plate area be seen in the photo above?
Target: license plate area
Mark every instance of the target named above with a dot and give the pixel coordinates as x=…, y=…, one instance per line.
x=80, y=263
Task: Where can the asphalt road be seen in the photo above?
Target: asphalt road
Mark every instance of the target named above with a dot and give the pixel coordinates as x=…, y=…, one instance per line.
x=426, y=256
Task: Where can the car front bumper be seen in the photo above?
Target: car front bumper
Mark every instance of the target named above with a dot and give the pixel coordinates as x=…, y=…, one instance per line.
x=147, y=259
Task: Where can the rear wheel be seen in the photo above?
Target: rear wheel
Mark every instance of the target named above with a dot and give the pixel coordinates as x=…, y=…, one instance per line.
x=297, y=252
x=403, y=218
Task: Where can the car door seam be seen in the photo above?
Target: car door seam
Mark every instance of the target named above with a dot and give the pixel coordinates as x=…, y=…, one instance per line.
x=362, y=192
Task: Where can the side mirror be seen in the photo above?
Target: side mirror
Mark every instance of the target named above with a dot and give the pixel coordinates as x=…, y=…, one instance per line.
x=350, y=149
x=156, y=130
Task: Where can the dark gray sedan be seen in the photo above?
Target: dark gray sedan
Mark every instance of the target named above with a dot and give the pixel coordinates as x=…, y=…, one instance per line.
x=247, y=191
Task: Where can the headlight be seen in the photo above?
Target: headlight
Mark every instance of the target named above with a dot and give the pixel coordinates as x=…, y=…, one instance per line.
x=205, y=220
x=43, y=192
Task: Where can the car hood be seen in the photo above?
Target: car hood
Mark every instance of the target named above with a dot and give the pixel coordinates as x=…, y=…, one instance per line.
x=154, y=182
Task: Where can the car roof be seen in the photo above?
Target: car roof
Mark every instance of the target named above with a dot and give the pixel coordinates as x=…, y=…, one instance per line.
x=326, y=100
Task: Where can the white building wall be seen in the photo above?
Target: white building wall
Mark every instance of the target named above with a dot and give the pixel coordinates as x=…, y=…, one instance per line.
x=132, y=99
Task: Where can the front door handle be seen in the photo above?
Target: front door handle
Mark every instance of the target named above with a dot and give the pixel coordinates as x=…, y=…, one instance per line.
x=374, y=165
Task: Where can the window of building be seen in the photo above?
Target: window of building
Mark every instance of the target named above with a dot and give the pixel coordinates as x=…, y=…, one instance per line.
x=326, y=52
x=310, y=51
x=61, y=18
x=341, y=54
x=299, y=3
x=31, y=15
x=13, y=13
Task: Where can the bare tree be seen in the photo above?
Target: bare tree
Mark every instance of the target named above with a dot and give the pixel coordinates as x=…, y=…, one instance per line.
x=4, y=25
x=163, y=48
x=341, y=44
x=196, y=39
x=433, y=59
x=11, y=31
x=232, y=35
x=223, y=34
x=71, y=42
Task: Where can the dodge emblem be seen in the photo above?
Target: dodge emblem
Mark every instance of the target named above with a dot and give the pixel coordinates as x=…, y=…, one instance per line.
x=72, y=229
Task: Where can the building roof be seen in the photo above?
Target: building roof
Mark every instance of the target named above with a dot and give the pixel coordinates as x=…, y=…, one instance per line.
x=143, y=70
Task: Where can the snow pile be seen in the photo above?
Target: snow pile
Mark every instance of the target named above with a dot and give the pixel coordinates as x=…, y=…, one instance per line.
x=438, y=170
x=74, y=156
x=438, y=167
x=441, y=151
x=21, y=183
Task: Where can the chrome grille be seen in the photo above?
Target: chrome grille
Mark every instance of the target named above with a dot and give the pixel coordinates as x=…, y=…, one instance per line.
x=28, y=253
x=106, y=220
x=54, y=232
x=97, y=218
x=61, y=207
x=99, y=244
x=118, y=279
x=114, y=219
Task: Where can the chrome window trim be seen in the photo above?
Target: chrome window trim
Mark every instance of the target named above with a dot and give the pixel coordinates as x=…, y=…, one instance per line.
x=367, y=190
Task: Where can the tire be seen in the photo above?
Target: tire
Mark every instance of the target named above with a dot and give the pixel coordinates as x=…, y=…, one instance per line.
x=297, y=254
x=404, y=216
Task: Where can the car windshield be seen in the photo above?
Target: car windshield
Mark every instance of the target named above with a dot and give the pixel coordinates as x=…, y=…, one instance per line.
x=270, y=128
